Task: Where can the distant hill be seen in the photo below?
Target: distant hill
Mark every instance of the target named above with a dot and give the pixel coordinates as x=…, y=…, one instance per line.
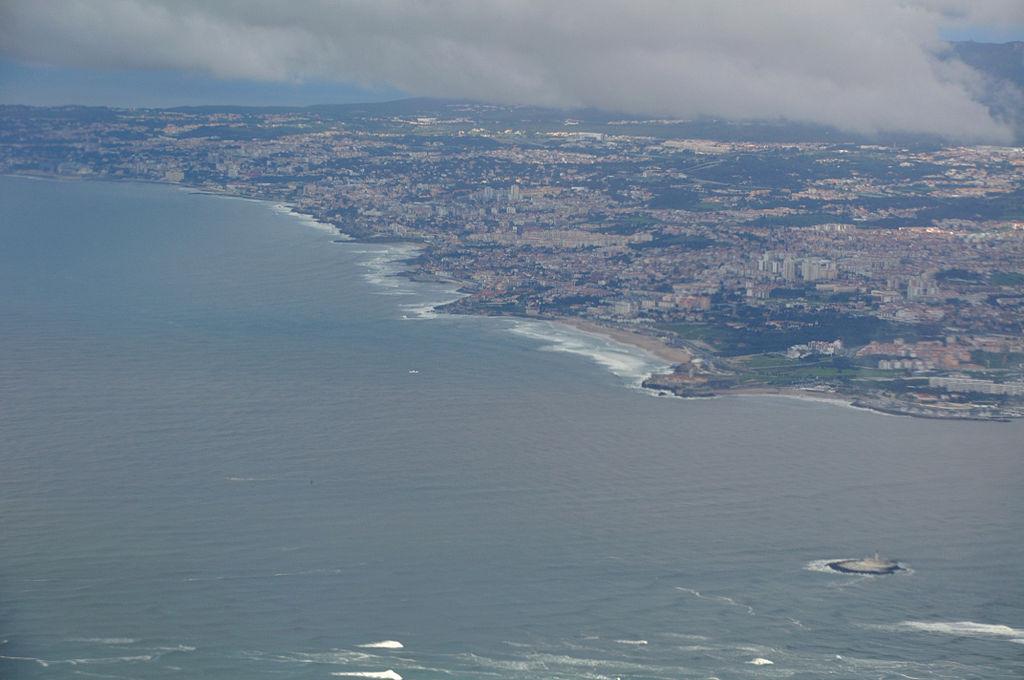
x=1003, y=66
x=1002, y=90
x=1003, y=61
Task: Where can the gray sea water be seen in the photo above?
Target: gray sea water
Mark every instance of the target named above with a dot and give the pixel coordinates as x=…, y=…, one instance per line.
x=231, y=448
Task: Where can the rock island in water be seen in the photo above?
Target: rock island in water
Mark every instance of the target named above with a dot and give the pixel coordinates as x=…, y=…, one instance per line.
x=868, y=565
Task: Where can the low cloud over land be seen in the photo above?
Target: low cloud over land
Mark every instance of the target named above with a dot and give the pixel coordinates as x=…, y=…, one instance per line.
x=862, y=66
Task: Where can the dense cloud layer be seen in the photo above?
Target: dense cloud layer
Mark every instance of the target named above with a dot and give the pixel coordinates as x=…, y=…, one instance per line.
x=862, y=65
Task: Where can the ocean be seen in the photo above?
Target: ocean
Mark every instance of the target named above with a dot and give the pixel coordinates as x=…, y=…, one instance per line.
x=235, y=448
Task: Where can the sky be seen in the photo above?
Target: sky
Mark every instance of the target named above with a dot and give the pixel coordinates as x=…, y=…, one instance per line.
x=866, y=66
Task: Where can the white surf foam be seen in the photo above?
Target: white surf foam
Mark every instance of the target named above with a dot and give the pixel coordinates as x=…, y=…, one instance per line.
x=106, y=641
x=761, y=661
x=965, y=629
x=821, y=566
x=426, y=310
x=306, y=220
x=383, y=268
x=625, y=361
x=638, y=643
x=386, y=675
x=383, y=644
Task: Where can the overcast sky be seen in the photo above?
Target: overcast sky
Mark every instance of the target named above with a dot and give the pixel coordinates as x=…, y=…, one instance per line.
x=860, y=65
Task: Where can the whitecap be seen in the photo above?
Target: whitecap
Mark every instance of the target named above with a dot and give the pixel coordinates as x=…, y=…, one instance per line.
x=383, y=644
x=106, y=641
x=761, y=661
x=385, y=675
x=965, y=629
x=638, y=643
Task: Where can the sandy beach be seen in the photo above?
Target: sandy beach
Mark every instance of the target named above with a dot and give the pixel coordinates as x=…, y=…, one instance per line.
x=790, y=392
x=673, y=355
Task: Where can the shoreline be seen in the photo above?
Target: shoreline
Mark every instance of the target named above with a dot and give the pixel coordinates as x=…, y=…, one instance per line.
x=791, y=393
x=647, y=343
x=795, y=393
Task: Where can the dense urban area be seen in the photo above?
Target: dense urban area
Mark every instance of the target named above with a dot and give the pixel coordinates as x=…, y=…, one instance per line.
x=887, y=273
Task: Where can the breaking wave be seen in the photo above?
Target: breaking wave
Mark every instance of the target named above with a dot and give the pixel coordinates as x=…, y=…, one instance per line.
x=306, y=220
x=426, y=310
x=383, y=644
x=625, y=361
x=383, y=270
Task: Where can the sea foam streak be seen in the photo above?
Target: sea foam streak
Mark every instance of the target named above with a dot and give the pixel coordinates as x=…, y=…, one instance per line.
x=623, y=360
x=42, y=662
x=545, y=665
x=717, y=598
x=46, y=663
x=386, y=675
x=143, y=658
